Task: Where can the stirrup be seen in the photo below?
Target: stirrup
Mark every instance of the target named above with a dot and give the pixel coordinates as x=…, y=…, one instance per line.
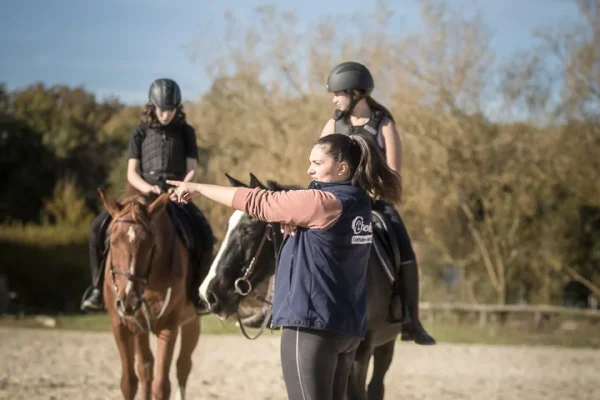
x=86, y=302
x=84, y=298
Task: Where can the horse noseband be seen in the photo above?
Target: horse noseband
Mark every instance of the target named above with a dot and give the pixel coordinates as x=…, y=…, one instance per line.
x=242, y=286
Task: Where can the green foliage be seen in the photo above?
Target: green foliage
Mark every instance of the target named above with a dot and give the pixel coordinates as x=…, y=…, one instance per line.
x=46, y=265
x=27, y=171
x=53, y=132
x=67, y=207
x=68, y=119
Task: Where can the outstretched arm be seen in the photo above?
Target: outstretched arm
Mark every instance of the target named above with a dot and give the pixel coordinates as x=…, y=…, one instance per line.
x=186, y=190
x=306, y=208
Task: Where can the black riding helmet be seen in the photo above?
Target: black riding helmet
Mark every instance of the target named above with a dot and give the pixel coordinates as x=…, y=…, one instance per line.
x=350, y=76
x=165, y=94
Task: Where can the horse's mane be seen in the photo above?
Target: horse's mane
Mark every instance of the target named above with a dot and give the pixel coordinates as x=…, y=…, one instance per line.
x=256, y=183
x=273, y=185
x=134, y=205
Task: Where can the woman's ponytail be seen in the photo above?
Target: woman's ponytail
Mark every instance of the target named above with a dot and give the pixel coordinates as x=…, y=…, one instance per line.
x=368, y=167
x=373, y=174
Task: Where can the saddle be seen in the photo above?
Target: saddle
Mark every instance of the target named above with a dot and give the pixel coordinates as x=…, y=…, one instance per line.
x=187, y=225
x=385, y=245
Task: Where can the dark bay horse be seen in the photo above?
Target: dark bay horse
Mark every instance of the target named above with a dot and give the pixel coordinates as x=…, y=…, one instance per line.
x=145, y=291
x=240, y=278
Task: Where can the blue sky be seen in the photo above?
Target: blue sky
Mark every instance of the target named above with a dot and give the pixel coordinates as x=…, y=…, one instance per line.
x=119, y=46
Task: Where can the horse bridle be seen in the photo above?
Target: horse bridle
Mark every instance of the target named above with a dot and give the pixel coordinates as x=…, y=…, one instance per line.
x=243, y=287
x=131, y=277
x=144, y=280
x=243, y=281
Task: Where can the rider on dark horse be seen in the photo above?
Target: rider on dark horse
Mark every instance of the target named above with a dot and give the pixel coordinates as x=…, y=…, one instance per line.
x=163, y=146
x=358, y=113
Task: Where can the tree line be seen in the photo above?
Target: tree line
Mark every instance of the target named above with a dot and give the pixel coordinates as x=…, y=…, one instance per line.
x=507, y=196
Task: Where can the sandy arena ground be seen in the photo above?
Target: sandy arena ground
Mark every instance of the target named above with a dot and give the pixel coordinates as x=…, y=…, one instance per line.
x=64, y=365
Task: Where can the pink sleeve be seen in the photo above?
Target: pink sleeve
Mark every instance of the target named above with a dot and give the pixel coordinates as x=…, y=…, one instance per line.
x=307, y=208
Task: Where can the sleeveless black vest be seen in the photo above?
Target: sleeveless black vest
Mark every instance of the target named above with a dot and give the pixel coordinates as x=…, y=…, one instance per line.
x=163, y=153
x=369, y=130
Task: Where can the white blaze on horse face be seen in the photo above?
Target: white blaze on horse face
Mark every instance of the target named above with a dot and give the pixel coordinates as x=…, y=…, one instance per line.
x=234, y=220
x=129, y=283
x=131, y=234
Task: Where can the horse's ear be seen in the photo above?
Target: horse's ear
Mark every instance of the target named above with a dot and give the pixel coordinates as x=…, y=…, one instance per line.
x=234, y=182
x=158, y=205
x=255, y=183
x=109, y=203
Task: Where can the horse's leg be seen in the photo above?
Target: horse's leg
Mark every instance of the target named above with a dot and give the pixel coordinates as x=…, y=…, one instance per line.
x=145, y=364
x=382, y=359
x=161, y=386
x=357, y=384
x=129, y=380
x=190, y=333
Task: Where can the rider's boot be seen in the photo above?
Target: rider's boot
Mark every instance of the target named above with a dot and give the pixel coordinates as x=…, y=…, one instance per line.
x=409, y=284
x=92, y=298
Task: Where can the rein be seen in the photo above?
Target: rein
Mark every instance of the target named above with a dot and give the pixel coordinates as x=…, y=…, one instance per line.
x=143, y=280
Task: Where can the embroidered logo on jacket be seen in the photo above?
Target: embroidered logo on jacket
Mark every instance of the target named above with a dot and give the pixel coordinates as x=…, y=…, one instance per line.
x=363, y=233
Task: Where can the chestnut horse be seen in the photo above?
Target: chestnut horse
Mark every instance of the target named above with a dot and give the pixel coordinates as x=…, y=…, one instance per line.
x=145, y=291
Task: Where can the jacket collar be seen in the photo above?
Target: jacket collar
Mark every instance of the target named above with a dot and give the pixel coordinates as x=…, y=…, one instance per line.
x=321, y=185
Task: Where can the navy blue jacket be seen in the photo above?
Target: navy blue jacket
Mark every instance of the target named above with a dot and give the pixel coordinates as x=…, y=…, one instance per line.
x=321, y=279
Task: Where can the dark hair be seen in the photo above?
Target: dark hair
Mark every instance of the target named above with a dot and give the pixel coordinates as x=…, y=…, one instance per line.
x=371, y=102
x=375, y=105
x=368, y=167
x=149, y=119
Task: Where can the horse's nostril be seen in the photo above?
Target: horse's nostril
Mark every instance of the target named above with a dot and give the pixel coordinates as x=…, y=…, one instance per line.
x=119, y=303
x=212, y=300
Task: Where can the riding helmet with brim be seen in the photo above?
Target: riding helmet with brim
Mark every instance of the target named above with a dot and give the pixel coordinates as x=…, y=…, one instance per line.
x=165, y=94
x=350, y=75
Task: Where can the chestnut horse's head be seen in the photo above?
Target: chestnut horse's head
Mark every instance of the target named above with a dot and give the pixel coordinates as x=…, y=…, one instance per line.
x=133, y=244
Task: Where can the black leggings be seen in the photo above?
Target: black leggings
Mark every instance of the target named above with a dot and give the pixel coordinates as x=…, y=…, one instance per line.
x=407, y=253
x=316, y=364
x=97, y=246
